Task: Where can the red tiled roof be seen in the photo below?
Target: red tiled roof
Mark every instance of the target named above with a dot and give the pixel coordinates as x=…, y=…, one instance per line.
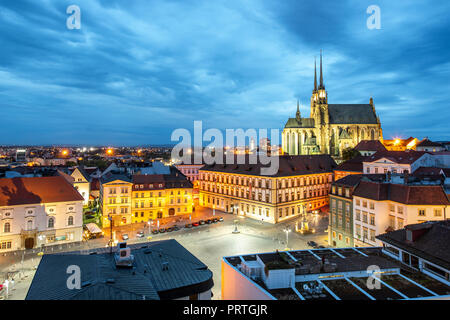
x=405, y=157
x=428, y=143
x=407, y=194
x=428, y=171
x=19, y=191
x=353, y=165
x=370, y=145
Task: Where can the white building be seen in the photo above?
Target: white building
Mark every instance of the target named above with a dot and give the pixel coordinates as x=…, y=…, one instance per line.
x=82, y=182
x=382, y=206
x=39, y=211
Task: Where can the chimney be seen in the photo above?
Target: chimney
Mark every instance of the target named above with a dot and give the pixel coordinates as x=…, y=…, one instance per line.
x=415, y=231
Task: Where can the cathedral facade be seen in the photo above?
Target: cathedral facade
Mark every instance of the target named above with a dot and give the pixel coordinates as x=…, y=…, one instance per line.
x=331, y=128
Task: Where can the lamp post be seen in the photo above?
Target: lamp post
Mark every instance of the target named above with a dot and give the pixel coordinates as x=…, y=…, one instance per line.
x=110, y=238
x=214, y=210
x=287, y=231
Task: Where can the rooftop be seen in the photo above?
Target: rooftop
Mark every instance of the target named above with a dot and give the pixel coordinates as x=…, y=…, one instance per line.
x=370, y=145
x=340, y=274
x=431, y=245
x=20, y=191
x=288, y=166
x=402, y=157
x=102, y=280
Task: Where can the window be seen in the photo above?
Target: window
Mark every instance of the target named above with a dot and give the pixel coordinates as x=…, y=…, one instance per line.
x=358, y=215
x=422, y=212
x=358, y=203
x=372, y=219
x=391, y=208
x=7, y=227
x=372, y=205
x=392, y=221
x=70, y=221
x=51, y=223
x=372, y=235
x=437, y=212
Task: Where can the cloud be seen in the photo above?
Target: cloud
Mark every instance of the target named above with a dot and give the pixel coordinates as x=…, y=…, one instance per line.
x=138, y=70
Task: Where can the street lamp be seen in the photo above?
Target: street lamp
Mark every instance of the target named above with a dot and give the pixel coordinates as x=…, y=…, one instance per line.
x=214, y=210
x=287, y=231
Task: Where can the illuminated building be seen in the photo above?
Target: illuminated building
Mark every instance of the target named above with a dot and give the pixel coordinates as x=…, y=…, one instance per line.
x=82, y=182
x=302, y=183
x=138, y=197
x=160, y=196
x=428, y=145
x=389, y=204
x=39, y=211
x=331, y=128
x=398, y=144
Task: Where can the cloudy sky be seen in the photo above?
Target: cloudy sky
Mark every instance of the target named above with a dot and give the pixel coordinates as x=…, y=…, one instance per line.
x=137, y=70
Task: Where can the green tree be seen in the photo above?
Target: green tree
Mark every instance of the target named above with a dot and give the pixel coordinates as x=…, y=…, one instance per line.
x=349, y=153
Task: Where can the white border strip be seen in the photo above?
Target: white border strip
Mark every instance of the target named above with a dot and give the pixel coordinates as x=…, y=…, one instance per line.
x=329, y=291
x=357, y=287
x=418, y=284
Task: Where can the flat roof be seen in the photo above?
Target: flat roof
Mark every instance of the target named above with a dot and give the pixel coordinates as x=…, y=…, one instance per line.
x=348, y=279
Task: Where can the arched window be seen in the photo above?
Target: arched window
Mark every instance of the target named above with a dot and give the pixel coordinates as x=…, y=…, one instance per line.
x=51, y=223
x=70, y=221
x=7, y=227
x=29, y=224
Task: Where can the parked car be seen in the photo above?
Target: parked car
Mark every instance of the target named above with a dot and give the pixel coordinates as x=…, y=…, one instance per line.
x=176, y=228
x=220, y=219
x=321, y=247
x=214, y=220
x=125, y=237
x=188, y=225
x=201, y=222
x=209, y=221
x=313, y=244
x=195, y=224
x=155, y=231
x=162, y=230
x=140, y=234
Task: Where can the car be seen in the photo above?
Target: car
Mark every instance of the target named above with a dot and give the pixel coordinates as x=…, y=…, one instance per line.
x=155, y=231
x=313, y=244
x=220, y=219
x=201, y=222
x=140, y=234
x=321, y=247
x=125, y=237
x=162, y=230
x=195, y=224
x=215, y=220
x=209, y=221
x=188, y=225
x=176, y=228
x=170, y=229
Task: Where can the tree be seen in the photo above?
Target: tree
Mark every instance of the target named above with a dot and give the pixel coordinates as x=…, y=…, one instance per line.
x=349, y=153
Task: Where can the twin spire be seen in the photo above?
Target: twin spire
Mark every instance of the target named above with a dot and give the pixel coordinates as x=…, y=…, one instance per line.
x=321, y=85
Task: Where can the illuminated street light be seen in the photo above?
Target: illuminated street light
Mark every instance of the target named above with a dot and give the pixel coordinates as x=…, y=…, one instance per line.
x=287, y=231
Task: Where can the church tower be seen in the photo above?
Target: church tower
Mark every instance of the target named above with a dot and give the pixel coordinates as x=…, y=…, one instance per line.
x=323, y=97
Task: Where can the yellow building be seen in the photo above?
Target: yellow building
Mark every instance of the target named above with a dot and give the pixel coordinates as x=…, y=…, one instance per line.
x=301, y=184
x=115, y=199
x=160, y=196
x=141, y=197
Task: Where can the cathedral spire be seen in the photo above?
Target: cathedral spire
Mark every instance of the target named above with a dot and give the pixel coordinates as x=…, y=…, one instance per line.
x=321, y=86
x=297, y=114
x=315, y=76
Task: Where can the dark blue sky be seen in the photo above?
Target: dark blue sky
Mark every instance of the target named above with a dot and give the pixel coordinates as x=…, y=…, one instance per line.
x=137, y=70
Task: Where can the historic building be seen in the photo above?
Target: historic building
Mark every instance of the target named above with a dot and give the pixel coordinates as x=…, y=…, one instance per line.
x=301, y=184
x=331, y=128
x=39, y=211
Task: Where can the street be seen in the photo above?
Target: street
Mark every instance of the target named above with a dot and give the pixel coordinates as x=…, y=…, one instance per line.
x=209, y=242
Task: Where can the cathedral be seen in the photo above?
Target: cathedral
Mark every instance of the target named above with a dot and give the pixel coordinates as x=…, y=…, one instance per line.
x=331, y=128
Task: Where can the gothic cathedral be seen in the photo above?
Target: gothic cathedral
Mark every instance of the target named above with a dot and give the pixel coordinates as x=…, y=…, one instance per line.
x=331, y=128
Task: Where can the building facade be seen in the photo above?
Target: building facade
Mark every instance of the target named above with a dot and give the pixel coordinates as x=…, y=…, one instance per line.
x=142, y=197
x=301, y=184
x=39, y=211
x=340, y=230
x=82, y=182
x=380, y=206
x=331, y=128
